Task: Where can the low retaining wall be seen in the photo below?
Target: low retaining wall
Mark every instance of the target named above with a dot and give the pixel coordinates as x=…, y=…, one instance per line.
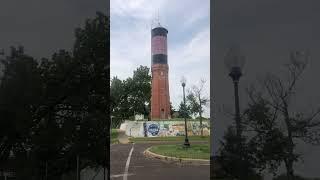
x=164, y=128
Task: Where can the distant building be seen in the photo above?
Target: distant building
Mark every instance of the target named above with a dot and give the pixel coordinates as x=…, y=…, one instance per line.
x=138, y=117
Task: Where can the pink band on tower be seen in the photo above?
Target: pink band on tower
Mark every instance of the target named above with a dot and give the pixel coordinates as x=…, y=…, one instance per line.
x=159, y=45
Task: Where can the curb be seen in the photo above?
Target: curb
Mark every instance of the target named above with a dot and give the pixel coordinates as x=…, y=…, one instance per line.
x=148, y=153
x=168, y=142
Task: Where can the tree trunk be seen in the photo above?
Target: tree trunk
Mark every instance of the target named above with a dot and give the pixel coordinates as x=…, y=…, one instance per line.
x=289, y=167
x=201, y=128
x=200, y=113
x=289, y=162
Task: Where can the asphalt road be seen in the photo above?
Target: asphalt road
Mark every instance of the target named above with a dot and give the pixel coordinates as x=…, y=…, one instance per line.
x=129, y=163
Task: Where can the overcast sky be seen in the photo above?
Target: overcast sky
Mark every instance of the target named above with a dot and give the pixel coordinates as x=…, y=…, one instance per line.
x=188, y=23
x=44, y=26
x=266, y=32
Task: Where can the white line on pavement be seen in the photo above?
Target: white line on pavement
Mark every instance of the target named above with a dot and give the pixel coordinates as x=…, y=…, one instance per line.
x=119, y=175
x=125, y=175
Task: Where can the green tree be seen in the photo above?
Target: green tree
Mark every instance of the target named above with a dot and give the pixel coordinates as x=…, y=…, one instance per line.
x=20, y=92
x=140, y=89
x=172, y=110
x=237, y=157
x=116, y=94
x=118, y=101
x=184, y=111
x=196, y=101
x=132, y=95
x=270, y=115
x=90, y=52
x=270, y=142
x=43, y=104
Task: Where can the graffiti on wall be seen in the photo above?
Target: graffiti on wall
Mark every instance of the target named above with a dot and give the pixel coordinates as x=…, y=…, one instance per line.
x=134, y=129
x=176, y=128
x=196, y=128
x=165, y=128
x=153, y=129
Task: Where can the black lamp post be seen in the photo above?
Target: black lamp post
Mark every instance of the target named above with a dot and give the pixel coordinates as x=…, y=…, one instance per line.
x=235, y=62
x=186, y=140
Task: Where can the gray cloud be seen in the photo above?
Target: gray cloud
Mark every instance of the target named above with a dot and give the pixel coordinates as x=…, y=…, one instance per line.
x=44, y=26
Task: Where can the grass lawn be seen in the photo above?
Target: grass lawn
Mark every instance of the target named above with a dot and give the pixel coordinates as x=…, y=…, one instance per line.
x=196, y=151
x=170, y=139
x=114, y=136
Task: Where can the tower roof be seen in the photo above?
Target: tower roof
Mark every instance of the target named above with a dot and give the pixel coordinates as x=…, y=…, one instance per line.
x=159, y=31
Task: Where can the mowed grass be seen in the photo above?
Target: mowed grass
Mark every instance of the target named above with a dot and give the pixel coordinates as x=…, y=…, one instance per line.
x=169, y=139
x=114, y=136
x=195, y=151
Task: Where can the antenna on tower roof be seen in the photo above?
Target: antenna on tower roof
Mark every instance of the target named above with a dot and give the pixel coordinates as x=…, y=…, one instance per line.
x=158, y=18
x=155, y=22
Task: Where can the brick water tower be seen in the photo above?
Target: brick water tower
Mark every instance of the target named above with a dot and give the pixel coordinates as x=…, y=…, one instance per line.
x=160, y=98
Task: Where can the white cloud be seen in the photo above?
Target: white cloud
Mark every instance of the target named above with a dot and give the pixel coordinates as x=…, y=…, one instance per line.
x=139, y=9
x=191, y=60
x=197, y=49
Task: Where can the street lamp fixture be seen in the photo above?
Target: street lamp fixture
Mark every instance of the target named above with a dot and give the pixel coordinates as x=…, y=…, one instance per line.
x=186, y=140
x=235, y=61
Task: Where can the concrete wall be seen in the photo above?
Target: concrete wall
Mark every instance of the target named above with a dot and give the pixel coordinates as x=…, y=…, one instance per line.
x=164, y=128
x=133, y=128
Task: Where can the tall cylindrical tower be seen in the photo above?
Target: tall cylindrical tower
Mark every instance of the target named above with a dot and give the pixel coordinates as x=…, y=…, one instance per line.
x=160, y=99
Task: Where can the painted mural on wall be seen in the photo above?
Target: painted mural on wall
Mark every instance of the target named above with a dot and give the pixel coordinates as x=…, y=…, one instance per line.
x=134, y=129
x=175, y=128
x=153, y=129
x=164, y=128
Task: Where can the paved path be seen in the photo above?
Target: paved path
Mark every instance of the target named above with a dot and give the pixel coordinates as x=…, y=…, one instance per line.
x=129, y=163
x=122, y=137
